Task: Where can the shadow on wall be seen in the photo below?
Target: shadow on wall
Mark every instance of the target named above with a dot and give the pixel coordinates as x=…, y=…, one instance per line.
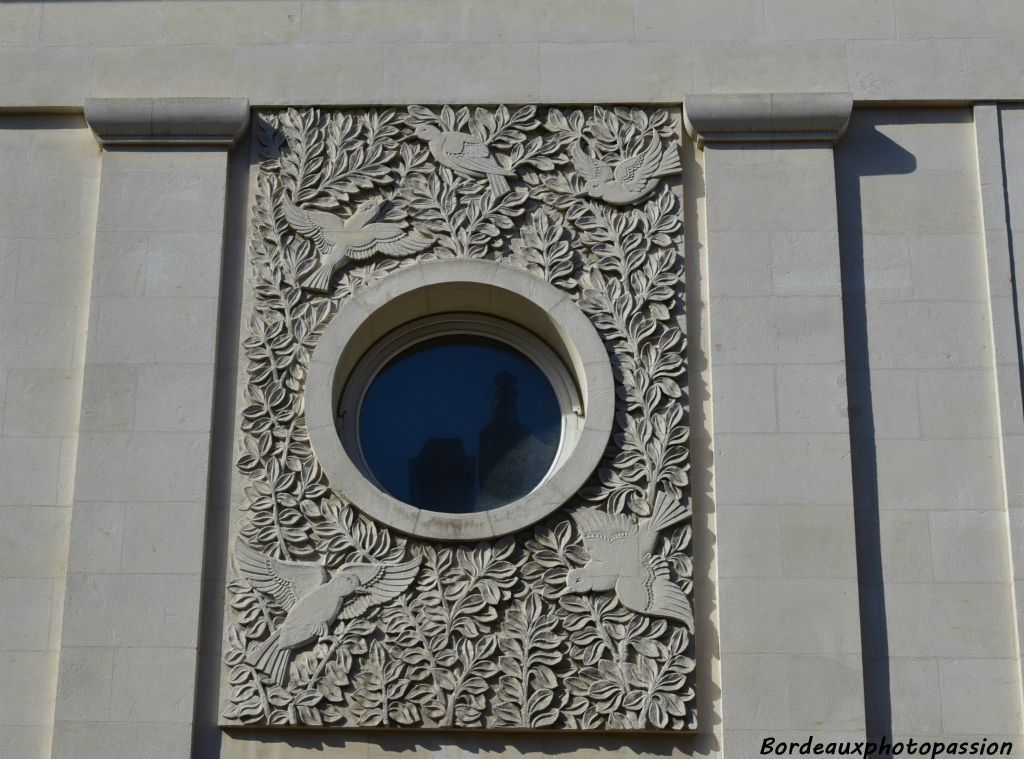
x=863, y=153
x=705, y=594
x=463, y=744
x=205, y=733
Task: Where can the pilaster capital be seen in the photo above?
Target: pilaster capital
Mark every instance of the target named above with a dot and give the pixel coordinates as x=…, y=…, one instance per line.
x=167, y=121
x=768, y=117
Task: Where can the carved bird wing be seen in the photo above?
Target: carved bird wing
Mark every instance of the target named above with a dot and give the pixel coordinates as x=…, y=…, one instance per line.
x=589, y=168
x=389, y=239
x=601, y=532
x=377, y=583
x=471, y=153
x=666, y=512
x=655, y=593
x=304, y=224
x=635, y=172
x=286, y=581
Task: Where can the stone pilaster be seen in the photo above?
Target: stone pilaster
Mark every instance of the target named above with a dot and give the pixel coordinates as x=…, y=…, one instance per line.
x=129, y=639
x=786, y=543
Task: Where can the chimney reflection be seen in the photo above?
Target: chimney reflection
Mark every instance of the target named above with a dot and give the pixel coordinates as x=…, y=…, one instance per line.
x=510, y=455
x=445, y=477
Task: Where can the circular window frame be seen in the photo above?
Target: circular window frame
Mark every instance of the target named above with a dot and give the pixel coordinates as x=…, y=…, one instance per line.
x=441, y=292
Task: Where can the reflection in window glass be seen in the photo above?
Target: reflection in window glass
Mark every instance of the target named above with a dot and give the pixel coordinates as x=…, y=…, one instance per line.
x=459, y=424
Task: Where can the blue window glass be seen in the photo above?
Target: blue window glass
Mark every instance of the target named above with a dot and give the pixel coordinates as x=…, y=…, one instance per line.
x=459, y=424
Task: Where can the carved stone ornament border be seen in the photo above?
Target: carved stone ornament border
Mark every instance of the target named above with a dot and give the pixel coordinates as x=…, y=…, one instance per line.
x=582, y=621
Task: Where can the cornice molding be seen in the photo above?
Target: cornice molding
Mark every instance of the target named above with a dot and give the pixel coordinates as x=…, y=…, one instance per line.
x=167, y=121
x=771, y=117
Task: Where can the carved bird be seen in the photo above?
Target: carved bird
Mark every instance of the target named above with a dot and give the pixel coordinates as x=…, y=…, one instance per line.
x=631, y=179
x=312, y=601
x=466, y=155
x=356, y=238
x=622, y=559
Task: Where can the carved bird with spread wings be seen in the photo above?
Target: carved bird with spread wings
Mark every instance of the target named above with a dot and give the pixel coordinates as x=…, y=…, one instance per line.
x=631, y=179
x=467, y=155
x=622, y=559
x=312, y=601
x=356, y=238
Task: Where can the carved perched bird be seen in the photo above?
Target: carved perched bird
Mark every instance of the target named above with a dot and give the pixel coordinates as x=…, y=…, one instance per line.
x=621, y=559
x=312, y=601
x=465, y=154
x=631, y=179
x=356, y=238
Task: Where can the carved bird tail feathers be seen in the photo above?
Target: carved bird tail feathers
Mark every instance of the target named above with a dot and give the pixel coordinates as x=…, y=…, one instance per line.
x=499, y=185
x=320, y=280
x=664, y=597
x=669, y=163
x=667, y=511
x=271, y=658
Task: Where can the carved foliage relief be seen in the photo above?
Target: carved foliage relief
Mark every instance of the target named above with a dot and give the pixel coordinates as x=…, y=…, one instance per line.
x=508, y=633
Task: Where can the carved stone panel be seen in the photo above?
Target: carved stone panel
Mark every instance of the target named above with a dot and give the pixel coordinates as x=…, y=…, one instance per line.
x=582, y=621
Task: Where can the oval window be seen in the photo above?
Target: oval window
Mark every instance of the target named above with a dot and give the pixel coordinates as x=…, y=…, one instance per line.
x=458, y=413
x=459, y=423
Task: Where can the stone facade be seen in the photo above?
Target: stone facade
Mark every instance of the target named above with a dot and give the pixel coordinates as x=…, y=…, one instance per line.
x=850, y=195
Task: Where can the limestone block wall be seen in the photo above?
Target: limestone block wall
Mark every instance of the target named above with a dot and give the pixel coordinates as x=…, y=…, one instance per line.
x=932, y=529
x=391, y=51
x=49, y=172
